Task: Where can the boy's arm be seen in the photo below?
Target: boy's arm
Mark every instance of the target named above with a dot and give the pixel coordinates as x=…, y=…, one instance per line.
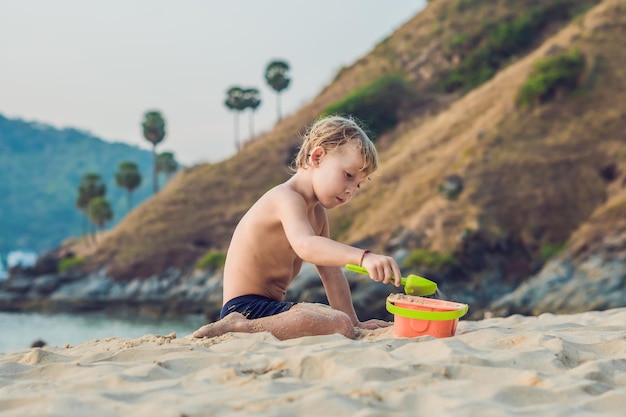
x=338, y=291
x=311, y=246
x=322, y=251
x=340, y=298
x=336, y=284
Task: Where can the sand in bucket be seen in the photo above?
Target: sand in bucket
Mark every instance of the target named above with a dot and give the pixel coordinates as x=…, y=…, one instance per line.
x=418, y=316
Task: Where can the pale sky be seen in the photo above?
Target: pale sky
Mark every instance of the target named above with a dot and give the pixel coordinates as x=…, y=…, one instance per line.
x=99, y=66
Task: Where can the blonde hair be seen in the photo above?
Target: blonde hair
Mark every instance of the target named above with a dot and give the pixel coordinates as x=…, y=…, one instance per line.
x=332, y=132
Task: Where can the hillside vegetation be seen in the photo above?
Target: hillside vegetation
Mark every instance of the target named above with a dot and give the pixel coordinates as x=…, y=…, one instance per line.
x=41, y=170
x=469, y=174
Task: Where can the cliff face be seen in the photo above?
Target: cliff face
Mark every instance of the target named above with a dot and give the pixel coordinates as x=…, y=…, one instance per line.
x=466, y=172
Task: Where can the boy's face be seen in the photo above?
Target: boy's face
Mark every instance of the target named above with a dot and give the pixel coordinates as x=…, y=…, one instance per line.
x=337, y=174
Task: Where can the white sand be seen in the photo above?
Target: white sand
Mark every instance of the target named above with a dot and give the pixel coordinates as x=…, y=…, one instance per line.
x=570, y=365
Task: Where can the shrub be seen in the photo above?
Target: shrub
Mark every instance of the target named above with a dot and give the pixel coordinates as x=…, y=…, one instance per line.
x=549, y=75
x=463, y=5
x=497, y=42
x=551, y=249
x=458, y=41
x=71, y=263
x=212, y=261
x=425, y=258
x=502, y=41
x=376, y=104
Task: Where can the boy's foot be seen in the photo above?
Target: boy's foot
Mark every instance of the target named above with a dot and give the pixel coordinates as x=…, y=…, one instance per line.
x=234, y=322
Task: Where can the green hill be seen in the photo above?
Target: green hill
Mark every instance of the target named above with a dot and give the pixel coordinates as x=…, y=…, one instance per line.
x=41, y=169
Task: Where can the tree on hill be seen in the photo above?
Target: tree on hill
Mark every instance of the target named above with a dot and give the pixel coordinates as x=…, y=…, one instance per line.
x=154, y=132
x=100, y=211
x=91, y=187
x=277, y=78
x=252, y=101
x=167, y=164
x=235, y=102
x=129, y=178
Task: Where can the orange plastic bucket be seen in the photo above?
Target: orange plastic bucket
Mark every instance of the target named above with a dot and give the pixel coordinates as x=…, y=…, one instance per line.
x=419, y=316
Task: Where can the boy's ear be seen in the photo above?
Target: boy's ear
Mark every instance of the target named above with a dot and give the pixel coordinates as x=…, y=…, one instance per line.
x=316, y=156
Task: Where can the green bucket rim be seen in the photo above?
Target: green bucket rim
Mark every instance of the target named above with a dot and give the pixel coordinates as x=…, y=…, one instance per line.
x=426, y=315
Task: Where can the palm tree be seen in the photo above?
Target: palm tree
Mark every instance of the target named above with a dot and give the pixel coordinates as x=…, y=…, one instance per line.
x=128, y=177
x=276, y=76
x=100, y=211
x=154, y=132
x=252, y=101
x=91, y=186
x=167, y=164
x=234, y=101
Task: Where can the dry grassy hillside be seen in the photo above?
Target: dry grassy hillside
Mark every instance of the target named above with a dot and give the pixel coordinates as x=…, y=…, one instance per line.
x=531, y=175
x=536, y=173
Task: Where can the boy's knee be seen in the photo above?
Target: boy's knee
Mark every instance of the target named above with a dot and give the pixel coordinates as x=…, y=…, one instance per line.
x=344, y=326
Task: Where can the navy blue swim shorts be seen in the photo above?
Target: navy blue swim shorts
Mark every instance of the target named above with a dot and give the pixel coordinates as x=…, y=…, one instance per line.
x=255, y=306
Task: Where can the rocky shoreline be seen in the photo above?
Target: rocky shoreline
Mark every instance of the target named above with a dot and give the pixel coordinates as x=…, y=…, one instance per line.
x=567, y=286
x=564, y=285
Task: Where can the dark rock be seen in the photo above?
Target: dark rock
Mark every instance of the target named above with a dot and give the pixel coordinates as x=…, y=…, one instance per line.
x=609, y=172
x=313, y=295
x=38, y=344
x=565, y=285
x=17, y=284
x=46, y=284
x=451, y=186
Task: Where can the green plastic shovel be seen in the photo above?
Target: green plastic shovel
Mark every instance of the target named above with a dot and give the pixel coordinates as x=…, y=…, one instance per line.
x=413, y=284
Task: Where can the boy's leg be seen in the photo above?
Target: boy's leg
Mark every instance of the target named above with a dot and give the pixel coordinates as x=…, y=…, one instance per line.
x=303, y=319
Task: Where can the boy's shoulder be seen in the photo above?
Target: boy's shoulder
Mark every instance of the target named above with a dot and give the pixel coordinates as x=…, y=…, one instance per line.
x=280, y=192
x=285, y=194
x=280, y=189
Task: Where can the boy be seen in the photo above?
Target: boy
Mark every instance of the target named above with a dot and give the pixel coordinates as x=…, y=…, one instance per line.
x=288, y=225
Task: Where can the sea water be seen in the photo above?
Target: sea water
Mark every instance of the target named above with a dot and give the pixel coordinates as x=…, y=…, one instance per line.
x=20, y=330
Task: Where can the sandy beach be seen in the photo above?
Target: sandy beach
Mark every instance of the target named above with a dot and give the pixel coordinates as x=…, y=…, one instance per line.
x=550, y=365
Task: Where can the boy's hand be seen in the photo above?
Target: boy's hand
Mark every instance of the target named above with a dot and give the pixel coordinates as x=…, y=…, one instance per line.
x=382, y=268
